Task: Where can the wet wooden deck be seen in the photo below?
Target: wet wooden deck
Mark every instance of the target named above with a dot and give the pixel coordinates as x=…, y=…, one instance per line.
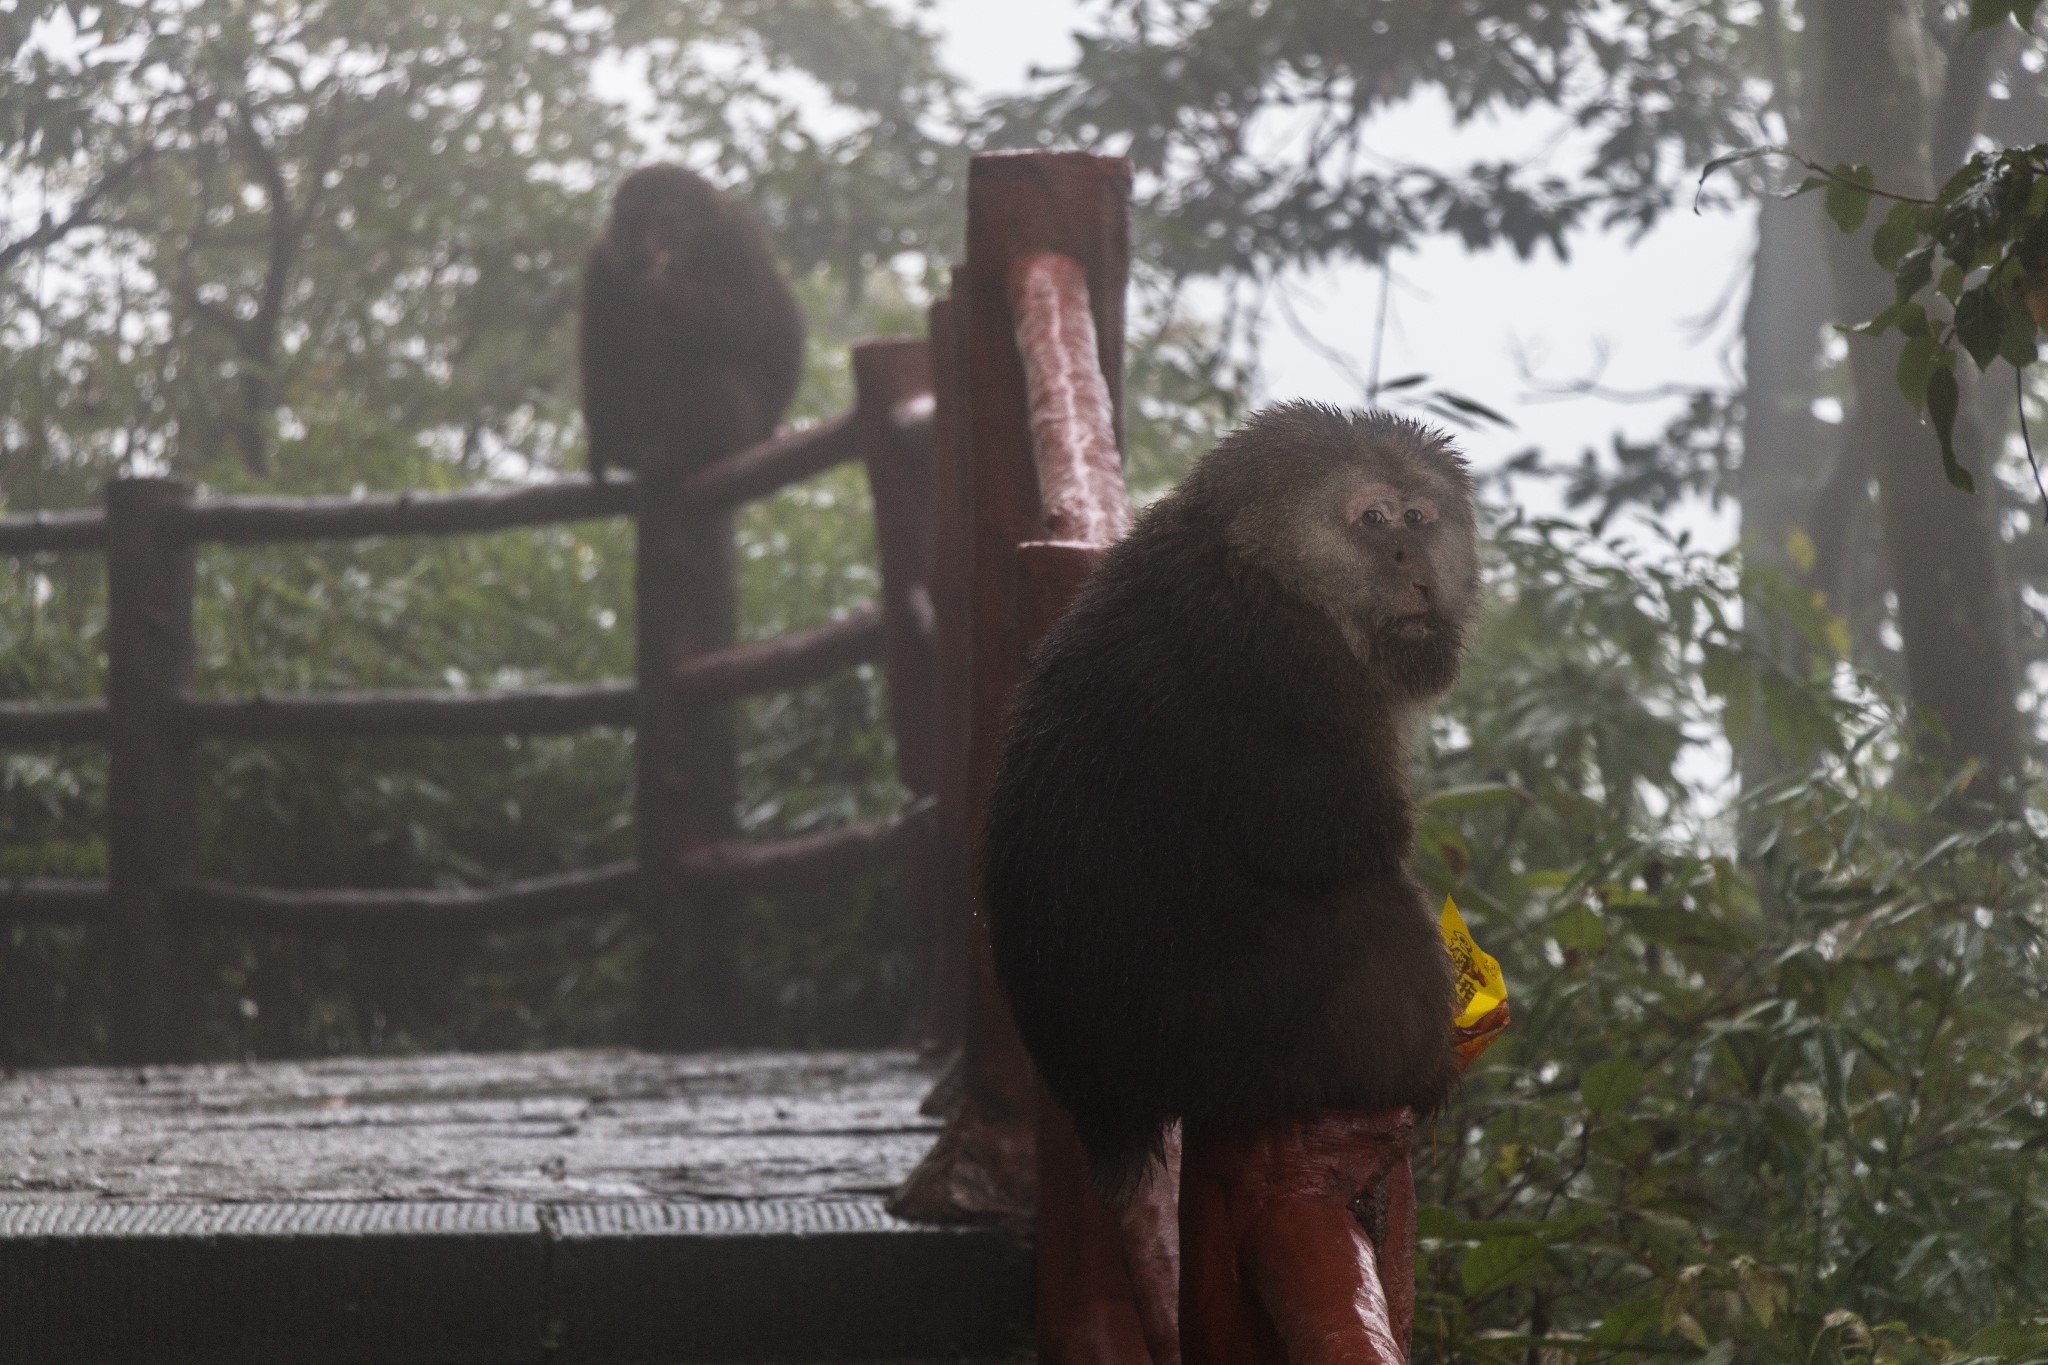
x=563, y=1206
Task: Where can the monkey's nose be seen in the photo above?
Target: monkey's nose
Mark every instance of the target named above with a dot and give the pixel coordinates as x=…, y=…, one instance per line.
x=1423, y=591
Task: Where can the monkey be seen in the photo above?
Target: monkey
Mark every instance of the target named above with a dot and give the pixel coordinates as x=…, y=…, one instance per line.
x=691, y=343
x=1194, y=842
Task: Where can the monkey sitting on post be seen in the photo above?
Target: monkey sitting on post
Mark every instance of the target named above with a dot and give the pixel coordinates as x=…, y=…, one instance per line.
x=691, y=344
x=1193, y=858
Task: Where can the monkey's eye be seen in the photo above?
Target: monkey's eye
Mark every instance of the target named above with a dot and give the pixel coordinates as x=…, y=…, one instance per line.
x=1414, y=516
x=1374, y=517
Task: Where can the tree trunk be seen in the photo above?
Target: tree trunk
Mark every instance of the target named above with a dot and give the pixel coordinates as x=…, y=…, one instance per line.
x=1871, y=106
x=1784, y=446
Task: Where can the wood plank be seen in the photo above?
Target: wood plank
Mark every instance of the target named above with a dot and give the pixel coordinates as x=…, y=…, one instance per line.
x=35, y=533
x=796, y=659
x=783, y=459
x=578, y=1205
x=55, y=900
x=259, y=519
x=818, y=858
x=53, y=722
x=467, y=910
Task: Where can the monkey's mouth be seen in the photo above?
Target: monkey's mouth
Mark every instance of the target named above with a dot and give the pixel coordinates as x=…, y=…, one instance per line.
x=1419, y=625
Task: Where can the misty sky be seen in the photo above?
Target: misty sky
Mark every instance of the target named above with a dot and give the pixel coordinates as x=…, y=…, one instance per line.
x=1473, y=322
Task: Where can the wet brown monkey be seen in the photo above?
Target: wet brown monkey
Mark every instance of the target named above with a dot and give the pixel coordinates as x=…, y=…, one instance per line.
x=1193, y=865
x=691, y=343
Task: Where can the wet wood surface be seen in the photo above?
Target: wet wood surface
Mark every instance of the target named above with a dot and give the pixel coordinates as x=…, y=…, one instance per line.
x=586, y=1205
x=549, y=1126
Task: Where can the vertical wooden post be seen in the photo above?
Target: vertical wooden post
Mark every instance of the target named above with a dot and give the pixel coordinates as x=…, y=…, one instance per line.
x=1077, y=205
x=892, y=382
x=686, y=599
x=952, y=602
x=888, y=378
x=151, y=831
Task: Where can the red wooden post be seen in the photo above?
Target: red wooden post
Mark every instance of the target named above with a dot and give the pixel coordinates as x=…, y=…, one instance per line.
x=951, y=583
x=1298, y=1243
x=1043, y=293
x=893, y=408
x=981, y=1166
x=151, y=836
x=1017, y=203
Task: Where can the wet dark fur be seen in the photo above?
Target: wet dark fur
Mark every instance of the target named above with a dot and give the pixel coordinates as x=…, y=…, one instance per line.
x=689, y=363
x=1193, y=859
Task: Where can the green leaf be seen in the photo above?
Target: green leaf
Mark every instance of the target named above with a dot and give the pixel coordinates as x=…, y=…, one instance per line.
x=1980, y=324
x=1909, y=317
x=1917, y=361
x=2008, y=1340
x=1951, y=282
x=1502, y=1262
x=1736, y=158
x=1896, y=235
x=1539, y=879
x=1611, y=1086
x=1444, y=1225
x=1631, y=1323
x=1477, y=796
x=1942, y=399
x=1470, y=407
x=1848, y=199
x=2019, y=343
x=1580, y=928
x=1623, y=1140
x=1763, y=1289
x=1915, y=269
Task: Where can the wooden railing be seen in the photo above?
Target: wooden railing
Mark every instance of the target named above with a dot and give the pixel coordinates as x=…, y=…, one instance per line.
x=1028, y=373
x=1028, y=364
x=692, y=870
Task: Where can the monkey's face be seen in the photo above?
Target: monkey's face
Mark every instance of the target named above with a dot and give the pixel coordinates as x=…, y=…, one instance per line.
x=661, y=221
x=664, y=248
x=1412, y=578
x=1371, y=520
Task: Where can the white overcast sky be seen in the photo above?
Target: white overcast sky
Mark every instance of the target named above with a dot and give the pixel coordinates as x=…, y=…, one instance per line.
x=1472, y=321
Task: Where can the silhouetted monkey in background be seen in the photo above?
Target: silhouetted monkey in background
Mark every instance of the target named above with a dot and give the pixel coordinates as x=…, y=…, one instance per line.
x=1193, y=859
x=691, y=344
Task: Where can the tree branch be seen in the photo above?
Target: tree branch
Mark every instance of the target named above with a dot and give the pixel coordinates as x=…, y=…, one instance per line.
x=82, y=214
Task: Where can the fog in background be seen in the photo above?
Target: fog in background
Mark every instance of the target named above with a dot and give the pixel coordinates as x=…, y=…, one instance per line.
x=1638, y=317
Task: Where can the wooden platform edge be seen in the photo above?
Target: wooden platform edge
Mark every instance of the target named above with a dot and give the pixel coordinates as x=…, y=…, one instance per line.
x=497, y=1283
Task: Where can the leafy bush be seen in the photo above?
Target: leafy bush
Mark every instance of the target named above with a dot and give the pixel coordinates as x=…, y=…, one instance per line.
x=1781, y=1106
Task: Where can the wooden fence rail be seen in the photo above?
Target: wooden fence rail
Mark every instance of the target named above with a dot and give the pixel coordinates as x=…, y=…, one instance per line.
x=693, y=869
x=53, y=532
x=61, y=722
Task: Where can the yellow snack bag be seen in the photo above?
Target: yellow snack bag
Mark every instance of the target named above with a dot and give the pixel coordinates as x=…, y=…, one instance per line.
x=1482, y=993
